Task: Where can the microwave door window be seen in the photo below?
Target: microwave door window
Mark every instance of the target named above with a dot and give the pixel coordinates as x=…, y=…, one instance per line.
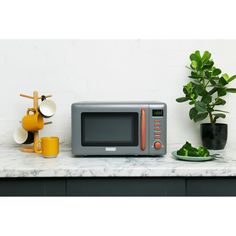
x=109, y=129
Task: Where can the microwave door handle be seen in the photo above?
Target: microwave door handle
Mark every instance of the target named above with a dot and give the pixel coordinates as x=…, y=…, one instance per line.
x=143, y=129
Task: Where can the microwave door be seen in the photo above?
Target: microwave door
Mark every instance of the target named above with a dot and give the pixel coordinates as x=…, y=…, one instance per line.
x=109, y=129
x=113, y=131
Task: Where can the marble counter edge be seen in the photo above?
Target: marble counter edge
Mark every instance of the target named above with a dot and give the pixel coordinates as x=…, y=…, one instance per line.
x=68, y=166
x=223, y=172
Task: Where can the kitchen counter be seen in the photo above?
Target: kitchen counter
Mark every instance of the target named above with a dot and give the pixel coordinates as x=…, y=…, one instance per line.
x=14, y=163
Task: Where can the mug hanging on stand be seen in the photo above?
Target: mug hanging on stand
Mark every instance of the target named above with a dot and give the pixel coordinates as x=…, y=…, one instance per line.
x=47, y=108
x=21, y=136
x=32, y=122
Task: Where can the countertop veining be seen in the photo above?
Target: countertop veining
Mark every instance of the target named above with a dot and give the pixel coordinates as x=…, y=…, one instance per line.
x=14, y=163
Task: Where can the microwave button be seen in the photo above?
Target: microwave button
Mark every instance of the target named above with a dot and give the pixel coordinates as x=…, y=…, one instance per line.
x=157, y=124
x=157, y=128
x=157, y=145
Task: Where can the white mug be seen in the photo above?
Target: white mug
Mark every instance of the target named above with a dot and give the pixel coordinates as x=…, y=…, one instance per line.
x=21, y=136
x=47, y=108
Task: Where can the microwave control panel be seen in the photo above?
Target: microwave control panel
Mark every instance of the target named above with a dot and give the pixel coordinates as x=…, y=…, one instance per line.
x=157, y=130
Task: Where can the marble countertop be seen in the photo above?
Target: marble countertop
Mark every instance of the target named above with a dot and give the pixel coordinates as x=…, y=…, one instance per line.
x=14, y=163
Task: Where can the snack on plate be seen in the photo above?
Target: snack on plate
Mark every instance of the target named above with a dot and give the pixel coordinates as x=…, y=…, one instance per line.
x=188, y=150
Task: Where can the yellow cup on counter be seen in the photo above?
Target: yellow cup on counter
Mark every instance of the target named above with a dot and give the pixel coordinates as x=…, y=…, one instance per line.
x=49, y=146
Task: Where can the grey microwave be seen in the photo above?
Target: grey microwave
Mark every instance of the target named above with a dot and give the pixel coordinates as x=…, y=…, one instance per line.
x=119, y=129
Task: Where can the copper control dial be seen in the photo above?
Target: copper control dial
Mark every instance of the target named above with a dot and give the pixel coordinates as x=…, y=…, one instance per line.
x=157, y=145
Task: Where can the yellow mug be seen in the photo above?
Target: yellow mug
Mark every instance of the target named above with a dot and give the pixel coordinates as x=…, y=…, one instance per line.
x=49, y=146
x=32, y=122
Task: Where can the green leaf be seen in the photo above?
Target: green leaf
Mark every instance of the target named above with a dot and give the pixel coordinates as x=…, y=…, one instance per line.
x=216, y=86
x=194, y=57
x=220, y=101
x=215, y=78
x=188, y=88
x=212, y=82
x=216, y=72
x=219, y=115
x=207, y=99
x=231, y=78
x=194, y=75
x=194, y=64
x=205, y=58
x=221, y=92
x=200, y=116
x=192, y=113
x=223, y=81
x=208, y=65
x=200, y=106
x=193, y=96
x=197, y=52
x=225, y=76
x=182, y=99
x=199, y=90
x=197, y=58
x=208, y=74
x=222, y=111
x=195, y=83
x=231, y=90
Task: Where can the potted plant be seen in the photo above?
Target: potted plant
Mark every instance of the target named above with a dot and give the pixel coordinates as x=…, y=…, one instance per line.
x=205, y=93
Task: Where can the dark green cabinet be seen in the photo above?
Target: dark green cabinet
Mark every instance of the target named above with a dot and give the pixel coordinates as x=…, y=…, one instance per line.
x=118, y=186
x=126, y=186
x=213, y=186
x=32, y=187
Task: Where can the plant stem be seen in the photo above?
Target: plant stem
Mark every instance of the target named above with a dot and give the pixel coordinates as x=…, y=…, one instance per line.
x=212, y=91
x=211, y=118
x=207, y=83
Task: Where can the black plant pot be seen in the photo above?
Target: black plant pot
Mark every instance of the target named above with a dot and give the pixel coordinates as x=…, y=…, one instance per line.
x=214, y=136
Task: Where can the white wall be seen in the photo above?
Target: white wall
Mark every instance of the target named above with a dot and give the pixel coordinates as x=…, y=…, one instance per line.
x=105, y=70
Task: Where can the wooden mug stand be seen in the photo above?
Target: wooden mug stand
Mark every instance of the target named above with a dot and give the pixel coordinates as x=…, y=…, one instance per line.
x=35, y=98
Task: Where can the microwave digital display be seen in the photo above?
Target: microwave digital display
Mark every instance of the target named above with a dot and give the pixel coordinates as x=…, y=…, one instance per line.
x=157, y=112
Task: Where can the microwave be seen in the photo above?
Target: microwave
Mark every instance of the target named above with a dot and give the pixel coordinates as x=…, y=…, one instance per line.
x=119, y=129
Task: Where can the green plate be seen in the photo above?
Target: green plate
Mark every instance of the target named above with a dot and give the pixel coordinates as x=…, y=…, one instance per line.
x=190, y=158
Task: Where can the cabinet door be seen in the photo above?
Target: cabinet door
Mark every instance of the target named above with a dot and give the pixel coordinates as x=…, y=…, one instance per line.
x=32, y=187
x=127, y=186
x=215, y=186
